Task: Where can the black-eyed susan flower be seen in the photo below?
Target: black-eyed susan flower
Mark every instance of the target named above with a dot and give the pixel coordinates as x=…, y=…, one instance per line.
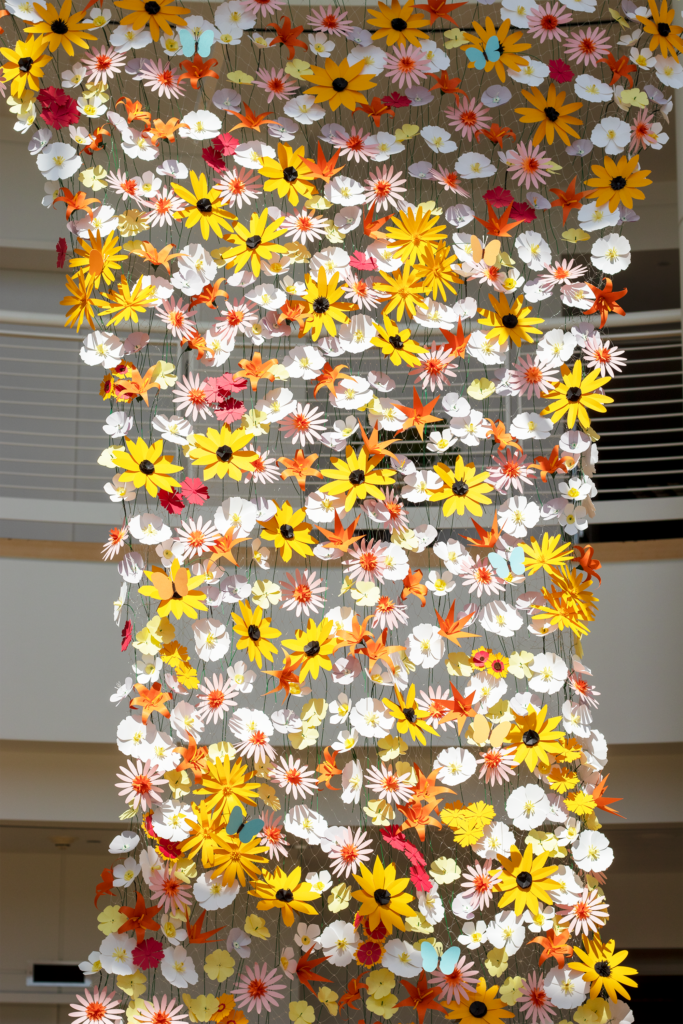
x=396, y=344
x=551, y=113
x=146, y=466
x=397, y=24
x=312, y=648
x=661, y=29
x=25, y=63
x=479, y=1007
x=357, y=476
x=463, y=488
x=618, y=181
x=382, y=897
x=340, y=85
x=506, y=55
x=410, y=718
x=285, y=892
x=575, y=396
x=159, y=15
x=289, y=532
x=325, y=310
x=509, y=321
x=290, y=175
x=525, y=880
x=536, y=738
x=204, y=206
x=254, y=243
x=61, y=28
x=177, y=591
x=412, y=233
x=221, y=452
x=255, y=633
x=603, y=969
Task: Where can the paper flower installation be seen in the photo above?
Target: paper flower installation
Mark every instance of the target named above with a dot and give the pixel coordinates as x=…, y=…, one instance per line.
x=315, y=255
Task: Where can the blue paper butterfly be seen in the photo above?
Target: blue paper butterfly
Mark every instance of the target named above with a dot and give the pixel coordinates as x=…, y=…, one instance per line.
x=511, y=562
x=203, y=44
x=491, y=54
x=430, y=958
x=239, y=826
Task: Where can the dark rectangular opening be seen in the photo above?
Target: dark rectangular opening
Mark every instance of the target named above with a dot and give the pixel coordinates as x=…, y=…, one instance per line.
x=57, y=974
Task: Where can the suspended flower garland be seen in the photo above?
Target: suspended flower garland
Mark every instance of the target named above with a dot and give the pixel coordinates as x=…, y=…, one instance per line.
x=360, y=768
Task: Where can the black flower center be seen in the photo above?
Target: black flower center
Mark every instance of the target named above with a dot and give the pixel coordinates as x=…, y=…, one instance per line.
x=409, y=715
x=357, y=477
x=204, y=205
x=224, y=453
x=284, y=895
x=287, y=531
x=551, y=113
x=395, y=340
x=25, y=64
x=253, y=242
x=382, y=897
x=254, y=633
x=290, y=174
x=321, y=305
x=146, y=467
x=460, y=488
x=59, y=27
x=510, y=321
x=524, y=880
x=478, y=1009
x=152, y=7
x=573, y=394
x=312, y=649
x=339, y=84
x=530, y=738
x=399, y=25
x=663, y=29
x=602, y=969
x=616, y=184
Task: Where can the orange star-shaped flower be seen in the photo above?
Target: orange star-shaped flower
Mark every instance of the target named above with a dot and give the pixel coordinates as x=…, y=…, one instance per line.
x=420, y=997
x=287, y=35
x=343, y=537
x=328, y=378
x=419, y=415
x=255, y=369
x=140, y=919
x=300, y=467
x=451, y=628
x=590, y=565
x=606, y=301
x=554, y=944
x=412, y=585
x=569, y=199
x=327, y=769
x=152, y=699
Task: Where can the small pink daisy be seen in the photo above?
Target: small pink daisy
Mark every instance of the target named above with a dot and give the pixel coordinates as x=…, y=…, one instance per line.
x=161, y=79
x=428, y=702
x=176, y=314
x=435, y=367
x=389, y=614
x=356, y=145
x=215, y=698
x=459, y=983
x=383, y=188
x=481, y=578
x=387, y=784
x=164, y=1012
x=239, y=186
x=468, y=117
x=362, y=293
x=163, y=206
x=192, y=399
x=261, y=6
x=302, y=593
x=296, y=779
x=263, y=470
x=531, y=376
x=304, y=227
x=510, y=469
x=304, y=424
x=348, y=850
x=406, y=66
x=196, y=537
x=272, y=835
x=529, y=165
x=588, y=46
x=117, y=538
x=587, y=914
x=498, y=765
x=545, y=22
x=170, y=891
x=260, y=988
x=450, y=180
x=331, y=20
x=103, y=64
x=140, y=784
x=479, y=882
x=534, y=1001
x=276, y=83
x=96, y=1007
x=366, y=561
x=600, y=353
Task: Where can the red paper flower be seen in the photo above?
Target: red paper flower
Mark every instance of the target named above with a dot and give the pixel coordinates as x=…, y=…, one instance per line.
x=498, y=197
x=420, y=878
x=194, y=491
x=172, y=502
x=523, y=212
x=395, y=99
x=61, y=252
x=59, y=110
x=230, y=410
x=370, y=953
x=226, y=144
x=218, y=388
x=148, y=954
x=213, y=158
x=167, y=849
x=559, y=71
x=359, y=261
x=126, y=635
